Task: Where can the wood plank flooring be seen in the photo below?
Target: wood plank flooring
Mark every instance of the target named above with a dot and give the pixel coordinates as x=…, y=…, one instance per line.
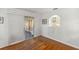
x=39, y=43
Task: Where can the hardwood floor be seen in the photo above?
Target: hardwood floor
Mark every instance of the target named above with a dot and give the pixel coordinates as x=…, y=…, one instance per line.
x=39, y=43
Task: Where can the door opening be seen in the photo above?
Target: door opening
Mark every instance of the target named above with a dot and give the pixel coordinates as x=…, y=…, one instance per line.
x=29, y=27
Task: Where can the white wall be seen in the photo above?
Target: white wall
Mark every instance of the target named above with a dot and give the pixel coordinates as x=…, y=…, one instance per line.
x=68, y=32
x=4, y=36
x=16, y=28
x=16, y=24
x=13, y=28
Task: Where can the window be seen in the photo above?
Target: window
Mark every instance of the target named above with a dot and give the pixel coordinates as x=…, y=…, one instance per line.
x=54, y=20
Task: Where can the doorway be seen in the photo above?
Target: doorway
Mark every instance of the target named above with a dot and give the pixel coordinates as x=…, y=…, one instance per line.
x=29, y=27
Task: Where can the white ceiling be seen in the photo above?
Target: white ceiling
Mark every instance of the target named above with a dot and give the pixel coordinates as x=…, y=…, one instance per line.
x=39, y=10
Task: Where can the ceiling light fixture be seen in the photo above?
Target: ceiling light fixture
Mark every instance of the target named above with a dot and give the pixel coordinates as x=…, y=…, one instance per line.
x=55, y=8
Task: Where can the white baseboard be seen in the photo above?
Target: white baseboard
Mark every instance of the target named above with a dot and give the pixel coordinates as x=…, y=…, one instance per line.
x=62, y=42
x=15, y=42
x=47, y=37
x=4, y=46
x=12, y=43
